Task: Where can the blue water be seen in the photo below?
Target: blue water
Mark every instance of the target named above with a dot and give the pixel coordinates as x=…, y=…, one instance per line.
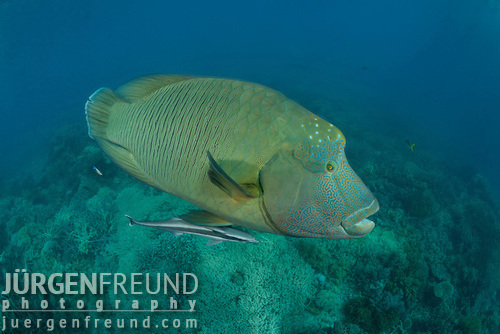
x=382, y=71
x=431, y=65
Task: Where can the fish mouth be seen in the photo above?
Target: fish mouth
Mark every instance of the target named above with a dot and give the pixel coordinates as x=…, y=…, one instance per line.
x=356, y=224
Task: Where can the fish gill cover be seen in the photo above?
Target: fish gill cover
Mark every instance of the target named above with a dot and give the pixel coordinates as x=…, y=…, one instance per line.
x=412, y=87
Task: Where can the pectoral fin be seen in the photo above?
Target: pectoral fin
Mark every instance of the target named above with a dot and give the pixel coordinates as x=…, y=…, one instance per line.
x=220, y=178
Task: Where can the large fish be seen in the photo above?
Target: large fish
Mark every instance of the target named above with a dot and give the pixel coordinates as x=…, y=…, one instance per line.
x=243, y=153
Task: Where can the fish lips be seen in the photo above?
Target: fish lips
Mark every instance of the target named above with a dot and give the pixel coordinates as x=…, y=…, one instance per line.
x=356, y=224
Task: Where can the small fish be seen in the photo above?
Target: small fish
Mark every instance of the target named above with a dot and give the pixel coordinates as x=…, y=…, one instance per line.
x=410, y=145
x=216, y=234
x=97, y=170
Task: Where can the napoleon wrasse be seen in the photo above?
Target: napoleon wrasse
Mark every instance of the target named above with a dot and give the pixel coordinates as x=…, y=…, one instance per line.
x=243, y=153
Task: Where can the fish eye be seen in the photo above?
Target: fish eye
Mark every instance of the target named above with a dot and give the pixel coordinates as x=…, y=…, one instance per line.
x=331, y=166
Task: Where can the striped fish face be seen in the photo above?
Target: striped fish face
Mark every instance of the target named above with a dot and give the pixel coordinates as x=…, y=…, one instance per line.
x=312, y=191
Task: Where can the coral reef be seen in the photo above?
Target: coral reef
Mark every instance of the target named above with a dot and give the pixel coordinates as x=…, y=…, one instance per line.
x=362, y=312
x=430, y=265
x=443, y=290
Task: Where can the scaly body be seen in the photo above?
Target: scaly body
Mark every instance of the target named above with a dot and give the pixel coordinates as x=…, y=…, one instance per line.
x=160, y=128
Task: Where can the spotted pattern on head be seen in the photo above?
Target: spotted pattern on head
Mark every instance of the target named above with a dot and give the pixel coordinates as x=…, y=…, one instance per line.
x=319, y=142
x=327, y=196
x=321, y=210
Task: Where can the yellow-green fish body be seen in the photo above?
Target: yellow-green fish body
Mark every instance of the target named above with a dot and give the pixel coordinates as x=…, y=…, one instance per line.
x=243, y=153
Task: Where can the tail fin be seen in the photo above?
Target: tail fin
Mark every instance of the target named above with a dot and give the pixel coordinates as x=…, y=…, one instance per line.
x=97, y=109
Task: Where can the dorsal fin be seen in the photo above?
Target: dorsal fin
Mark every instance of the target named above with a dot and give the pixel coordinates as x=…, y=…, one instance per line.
x=140, y=87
